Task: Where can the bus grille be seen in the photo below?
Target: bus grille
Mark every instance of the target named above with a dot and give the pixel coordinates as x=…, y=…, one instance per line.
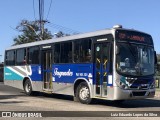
x=141, y=81
x=137, y=87
x=139, y=93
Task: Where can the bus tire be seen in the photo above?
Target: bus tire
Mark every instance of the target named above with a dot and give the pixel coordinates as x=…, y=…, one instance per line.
x=28, y=87
x=83, y=93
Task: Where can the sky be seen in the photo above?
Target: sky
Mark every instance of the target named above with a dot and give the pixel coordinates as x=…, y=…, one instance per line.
x=81, y=16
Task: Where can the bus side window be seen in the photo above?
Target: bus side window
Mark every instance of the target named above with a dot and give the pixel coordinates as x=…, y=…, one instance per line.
x=82, y=51
x=66, y=49
x=33, y=55
x=70, y=57
x=57, y=53
x=20, y=56
x=10, y=57
x=88, y=55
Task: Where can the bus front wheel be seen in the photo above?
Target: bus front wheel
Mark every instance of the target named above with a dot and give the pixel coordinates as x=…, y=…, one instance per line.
x=83, y=93
x=28, y=87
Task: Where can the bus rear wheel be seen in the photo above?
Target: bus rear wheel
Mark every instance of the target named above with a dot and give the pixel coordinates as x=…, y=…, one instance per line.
x=83, y=93
x=28, y=87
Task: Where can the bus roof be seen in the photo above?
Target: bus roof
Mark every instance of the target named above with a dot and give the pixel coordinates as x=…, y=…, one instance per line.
x=67, y=38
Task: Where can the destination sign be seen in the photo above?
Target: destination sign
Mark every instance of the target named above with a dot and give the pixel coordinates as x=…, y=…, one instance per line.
x=132, y=36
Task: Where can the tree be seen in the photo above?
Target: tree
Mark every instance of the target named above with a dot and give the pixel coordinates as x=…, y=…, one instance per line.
x=158, y=57
x=61, y=34
x=158, y=65
x=30, y=32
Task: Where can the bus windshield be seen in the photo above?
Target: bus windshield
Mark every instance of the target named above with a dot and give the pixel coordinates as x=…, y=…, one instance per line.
x=135, y=60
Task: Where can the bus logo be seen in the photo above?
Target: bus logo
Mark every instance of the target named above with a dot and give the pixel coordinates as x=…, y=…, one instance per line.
x=60, y=74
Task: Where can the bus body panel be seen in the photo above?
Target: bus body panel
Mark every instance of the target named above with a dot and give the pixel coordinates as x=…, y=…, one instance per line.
x=61, y=78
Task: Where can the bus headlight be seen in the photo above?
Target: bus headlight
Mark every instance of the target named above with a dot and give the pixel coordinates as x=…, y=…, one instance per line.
x=123, y=86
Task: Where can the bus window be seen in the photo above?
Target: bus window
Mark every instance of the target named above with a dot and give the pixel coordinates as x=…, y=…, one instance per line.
x=57, y=53
x=63, y=52
x=82, y=51
x=21, y=57
x=10, y=57
x=66, y=52
x=33, y=55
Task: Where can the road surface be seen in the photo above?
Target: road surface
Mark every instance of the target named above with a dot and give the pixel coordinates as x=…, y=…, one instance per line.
x=12, y=99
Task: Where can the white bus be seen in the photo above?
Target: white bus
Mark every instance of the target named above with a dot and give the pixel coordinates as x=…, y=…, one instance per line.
x=111, y=64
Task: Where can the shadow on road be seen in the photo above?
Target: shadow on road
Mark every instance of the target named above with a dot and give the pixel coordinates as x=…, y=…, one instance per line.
x=12, y=93
x=130, y=103
x=11, y=102
x=5, y=97
x=126, y=104
x=56, y=96
x=9, y=96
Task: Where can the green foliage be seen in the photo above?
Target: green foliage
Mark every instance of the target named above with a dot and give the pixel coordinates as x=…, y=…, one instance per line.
x=158, y=65
x=61, y=34
x=30, y=32
x=158, y=58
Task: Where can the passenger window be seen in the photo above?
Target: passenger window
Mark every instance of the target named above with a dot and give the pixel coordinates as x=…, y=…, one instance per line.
x=82, y=51
x=57, y=53
x=21, y=57
x=10, y=57
x=33, y=55
x=63, y=52
x=66, y=52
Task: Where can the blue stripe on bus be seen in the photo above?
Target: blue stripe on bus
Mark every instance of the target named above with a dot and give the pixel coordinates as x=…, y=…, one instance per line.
x=68, y=73
x=63, y=73
x=36, y=73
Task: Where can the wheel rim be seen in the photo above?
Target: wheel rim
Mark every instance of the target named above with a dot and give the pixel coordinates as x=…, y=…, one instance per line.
x=84, y=93
x=28, y=88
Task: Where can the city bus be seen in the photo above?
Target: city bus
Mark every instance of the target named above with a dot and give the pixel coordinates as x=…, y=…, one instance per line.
x=113, y=64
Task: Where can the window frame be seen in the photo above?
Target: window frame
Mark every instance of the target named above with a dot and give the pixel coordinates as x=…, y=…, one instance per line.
x=80, y=43
x=60, y=52
x=6, y=58
x=28, y=55
x=23, y=62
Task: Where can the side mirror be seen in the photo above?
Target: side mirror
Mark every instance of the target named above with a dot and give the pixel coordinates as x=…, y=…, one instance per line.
x=117, y=50
x=155, y=57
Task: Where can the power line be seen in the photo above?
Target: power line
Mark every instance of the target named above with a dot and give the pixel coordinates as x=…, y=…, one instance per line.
x=64, y=29
x=49, y=9
x=14, y=29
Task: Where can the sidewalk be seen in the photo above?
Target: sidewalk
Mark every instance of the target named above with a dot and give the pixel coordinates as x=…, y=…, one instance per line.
x=157, y=94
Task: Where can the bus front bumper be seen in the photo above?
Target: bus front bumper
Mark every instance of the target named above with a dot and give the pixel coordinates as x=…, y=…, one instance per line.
x=120, y=94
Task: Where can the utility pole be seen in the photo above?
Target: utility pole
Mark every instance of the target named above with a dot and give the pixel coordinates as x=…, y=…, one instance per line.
x=41, y=16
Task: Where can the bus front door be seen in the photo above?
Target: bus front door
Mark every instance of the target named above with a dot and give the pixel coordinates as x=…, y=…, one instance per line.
x=101, y=61
x=47, y=70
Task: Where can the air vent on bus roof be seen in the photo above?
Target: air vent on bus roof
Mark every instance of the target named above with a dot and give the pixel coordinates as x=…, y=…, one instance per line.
x=117, y=26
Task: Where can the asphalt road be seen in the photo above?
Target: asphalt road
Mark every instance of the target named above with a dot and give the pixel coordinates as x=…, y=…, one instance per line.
x=12, y=99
